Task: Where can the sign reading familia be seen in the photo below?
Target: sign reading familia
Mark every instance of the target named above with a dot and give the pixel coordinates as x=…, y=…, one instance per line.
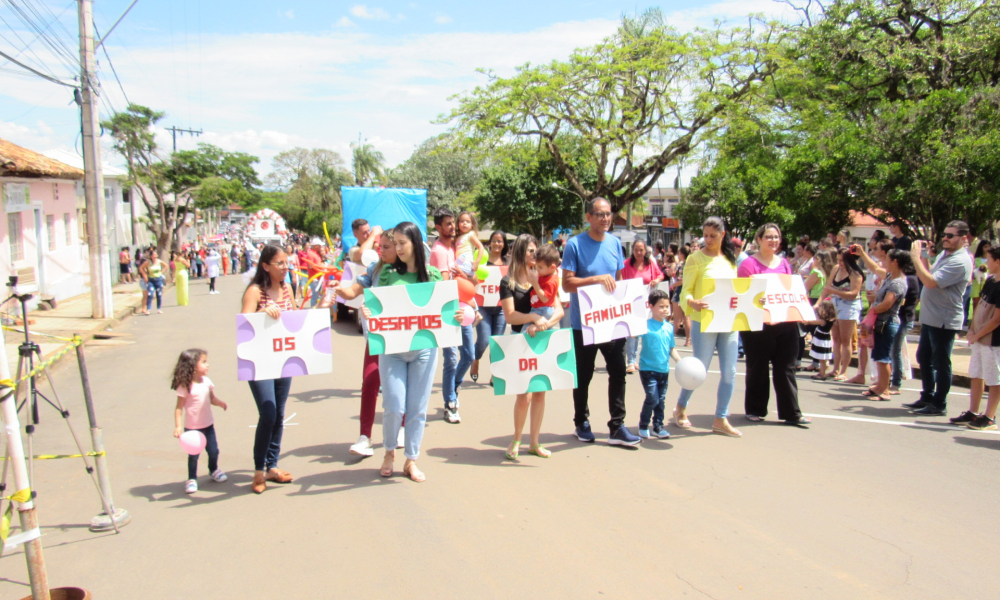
x=607, y=316
x=296, y=343
x=413, y=317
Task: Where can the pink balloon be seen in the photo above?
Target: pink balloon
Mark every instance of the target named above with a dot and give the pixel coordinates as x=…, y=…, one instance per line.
x=468, y=314
x=193, y=442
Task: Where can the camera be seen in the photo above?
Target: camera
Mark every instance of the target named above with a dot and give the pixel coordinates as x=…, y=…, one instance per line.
x=12, y=281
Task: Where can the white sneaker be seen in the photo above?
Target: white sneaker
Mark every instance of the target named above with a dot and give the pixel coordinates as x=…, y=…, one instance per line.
x=191, y=486
x=218, y=476
x=451, y=414
x=401, y=438
x=363, y=447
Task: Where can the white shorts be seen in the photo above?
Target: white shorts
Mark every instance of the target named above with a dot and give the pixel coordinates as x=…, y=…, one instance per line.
x=985, y=364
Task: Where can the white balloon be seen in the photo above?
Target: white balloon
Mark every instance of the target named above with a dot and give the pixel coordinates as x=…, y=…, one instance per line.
x=369, y=258
x=690, y=373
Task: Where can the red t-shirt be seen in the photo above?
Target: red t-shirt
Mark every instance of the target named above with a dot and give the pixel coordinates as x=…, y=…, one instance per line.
x=549, y=285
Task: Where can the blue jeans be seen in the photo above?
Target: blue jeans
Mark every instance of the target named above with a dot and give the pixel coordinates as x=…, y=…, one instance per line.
x=655, y=385
x=545, y=311
x=632, y=351
x=704, y=346
x=898, y=347
x=211, y=448
x=493, y=323
x=934, y=358
x=457, y=361
x=407, y=380
x=155, y=286
x=270, y=396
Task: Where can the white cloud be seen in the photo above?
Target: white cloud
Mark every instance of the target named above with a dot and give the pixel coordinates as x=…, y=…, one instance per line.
x=288, y=14
x=363, y=12
x=442, y=19
x=264, y=93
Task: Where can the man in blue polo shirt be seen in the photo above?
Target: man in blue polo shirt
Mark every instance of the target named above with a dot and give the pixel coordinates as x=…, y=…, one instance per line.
x=595, y=257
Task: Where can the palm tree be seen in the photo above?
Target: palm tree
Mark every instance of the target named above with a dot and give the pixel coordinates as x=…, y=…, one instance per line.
x=641, y=25
x=367, y=163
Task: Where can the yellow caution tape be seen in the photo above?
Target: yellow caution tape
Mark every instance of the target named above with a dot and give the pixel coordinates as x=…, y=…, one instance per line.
x=56, y=456
x=19, y=496
x=74, y=342
x=48, y=335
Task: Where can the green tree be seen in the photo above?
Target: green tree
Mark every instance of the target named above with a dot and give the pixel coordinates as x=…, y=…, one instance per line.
x=170, y=188
x=441, y=165
x=523, y=191
x=367, y=163
x=310, y=181
x=641, y=101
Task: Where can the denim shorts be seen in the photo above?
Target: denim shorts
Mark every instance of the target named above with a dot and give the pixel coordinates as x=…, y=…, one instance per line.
x=882, y=349
x=847, y=310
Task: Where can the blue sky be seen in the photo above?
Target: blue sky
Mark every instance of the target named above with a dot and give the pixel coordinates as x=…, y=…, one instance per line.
x=264, y=76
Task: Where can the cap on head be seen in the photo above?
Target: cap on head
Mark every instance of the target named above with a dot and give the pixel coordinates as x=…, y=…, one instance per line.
x=315, y=242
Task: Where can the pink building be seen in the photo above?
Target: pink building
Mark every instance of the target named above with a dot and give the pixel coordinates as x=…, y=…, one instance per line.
x=43, y=232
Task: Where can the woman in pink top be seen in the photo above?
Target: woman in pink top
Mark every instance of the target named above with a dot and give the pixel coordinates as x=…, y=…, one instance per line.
x=775, y=346
x=639, y=265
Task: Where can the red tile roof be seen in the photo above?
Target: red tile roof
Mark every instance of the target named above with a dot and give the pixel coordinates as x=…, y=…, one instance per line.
x=16, y=161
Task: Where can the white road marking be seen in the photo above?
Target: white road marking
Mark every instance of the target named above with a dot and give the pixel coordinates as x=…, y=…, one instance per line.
x=902, y=389
x=954, y=428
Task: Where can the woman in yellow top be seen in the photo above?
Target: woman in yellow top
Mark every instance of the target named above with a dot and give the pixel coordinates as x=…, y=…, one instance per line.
x=181, y=278
x=716, y=260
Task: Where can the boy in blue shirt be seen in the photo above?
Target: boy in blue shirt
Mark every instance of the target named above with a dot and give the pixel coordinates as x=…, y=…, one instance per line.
x=654, y=365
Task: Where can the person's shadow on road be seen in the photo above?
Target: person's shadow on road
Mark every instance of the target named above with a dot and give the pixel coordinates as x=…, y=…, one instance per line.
x=209, y=492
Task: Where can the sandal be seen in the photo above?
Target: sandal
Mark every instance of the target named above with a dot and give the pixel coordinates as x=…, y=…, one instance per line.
x=278, y=476
x=728, y=431
x=800, y=421
x=839, y=378
x=387, y=464
x=410, y=470
x=819, y=377
x=869, y=393
x=540, y=451
x=755, y=419
x=259, y=484
x=682, y=423
x=513, y=455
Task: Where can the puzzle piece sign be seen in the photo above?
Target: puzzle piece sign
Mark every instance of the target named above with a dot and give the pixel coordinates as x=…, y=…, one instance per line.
x=785, y=299
x=521, y=364
x=488, y=290
x=747, y=303
x=413, y=317
x=607, y=316
x=563, y=294
x=297, y=343
x=352, y=271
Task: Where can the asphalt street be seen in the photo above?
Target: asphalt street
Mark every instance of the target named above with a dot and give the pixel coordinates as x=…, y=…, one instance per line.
x=868, y=502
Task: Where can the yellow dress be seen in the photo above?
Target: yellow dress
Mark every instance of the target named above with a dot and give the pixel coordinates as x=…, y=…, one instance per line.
x=181, y=283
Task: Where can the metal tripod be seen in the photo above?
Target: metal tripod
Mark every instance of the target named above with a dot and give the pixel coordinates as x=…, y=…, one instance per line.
x=27, y=352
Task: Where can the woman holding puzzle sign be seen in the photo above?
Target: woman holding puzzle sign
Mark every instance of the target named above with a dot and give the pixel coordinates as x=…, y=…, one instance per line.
x=407, y=378
x=717, y=260
x=515, y=298
x=269, y=293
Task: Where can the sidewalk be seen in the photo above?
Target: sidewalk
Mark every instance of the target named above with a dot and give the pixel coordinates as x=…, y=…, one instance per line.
x=71, y=316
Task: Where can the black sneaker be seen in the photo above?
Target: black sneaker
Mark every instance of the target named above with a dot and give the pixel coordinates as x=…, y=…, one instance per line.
x=964, y=418
x=983, y=423
x=930, y=411
x=916, y=405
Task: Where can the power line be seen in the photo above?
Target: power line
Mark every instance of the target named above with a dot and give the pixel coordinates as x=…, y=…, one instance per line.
x=111, y=64
x=25, y=46
x=56, y=45
x=36, y=72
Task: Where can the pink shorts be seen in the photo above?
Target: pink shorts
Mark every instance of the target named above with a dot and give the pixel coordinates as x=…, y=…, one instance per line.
x=985, y=364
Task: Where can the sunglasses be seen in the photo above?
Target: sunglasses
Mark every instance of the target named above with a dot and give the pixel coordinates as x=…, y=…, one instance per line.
x=948, y=236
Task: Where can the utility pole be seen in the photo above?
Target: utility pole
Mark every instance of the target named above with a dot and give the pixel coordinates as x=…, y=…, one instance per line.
x=102, y=301
x=174, y=131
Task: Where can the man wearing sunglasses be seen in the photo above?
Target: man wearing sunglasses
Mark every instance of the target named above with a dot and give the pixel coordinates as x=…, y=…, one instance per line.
x=595, y=257
x=941, y=315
